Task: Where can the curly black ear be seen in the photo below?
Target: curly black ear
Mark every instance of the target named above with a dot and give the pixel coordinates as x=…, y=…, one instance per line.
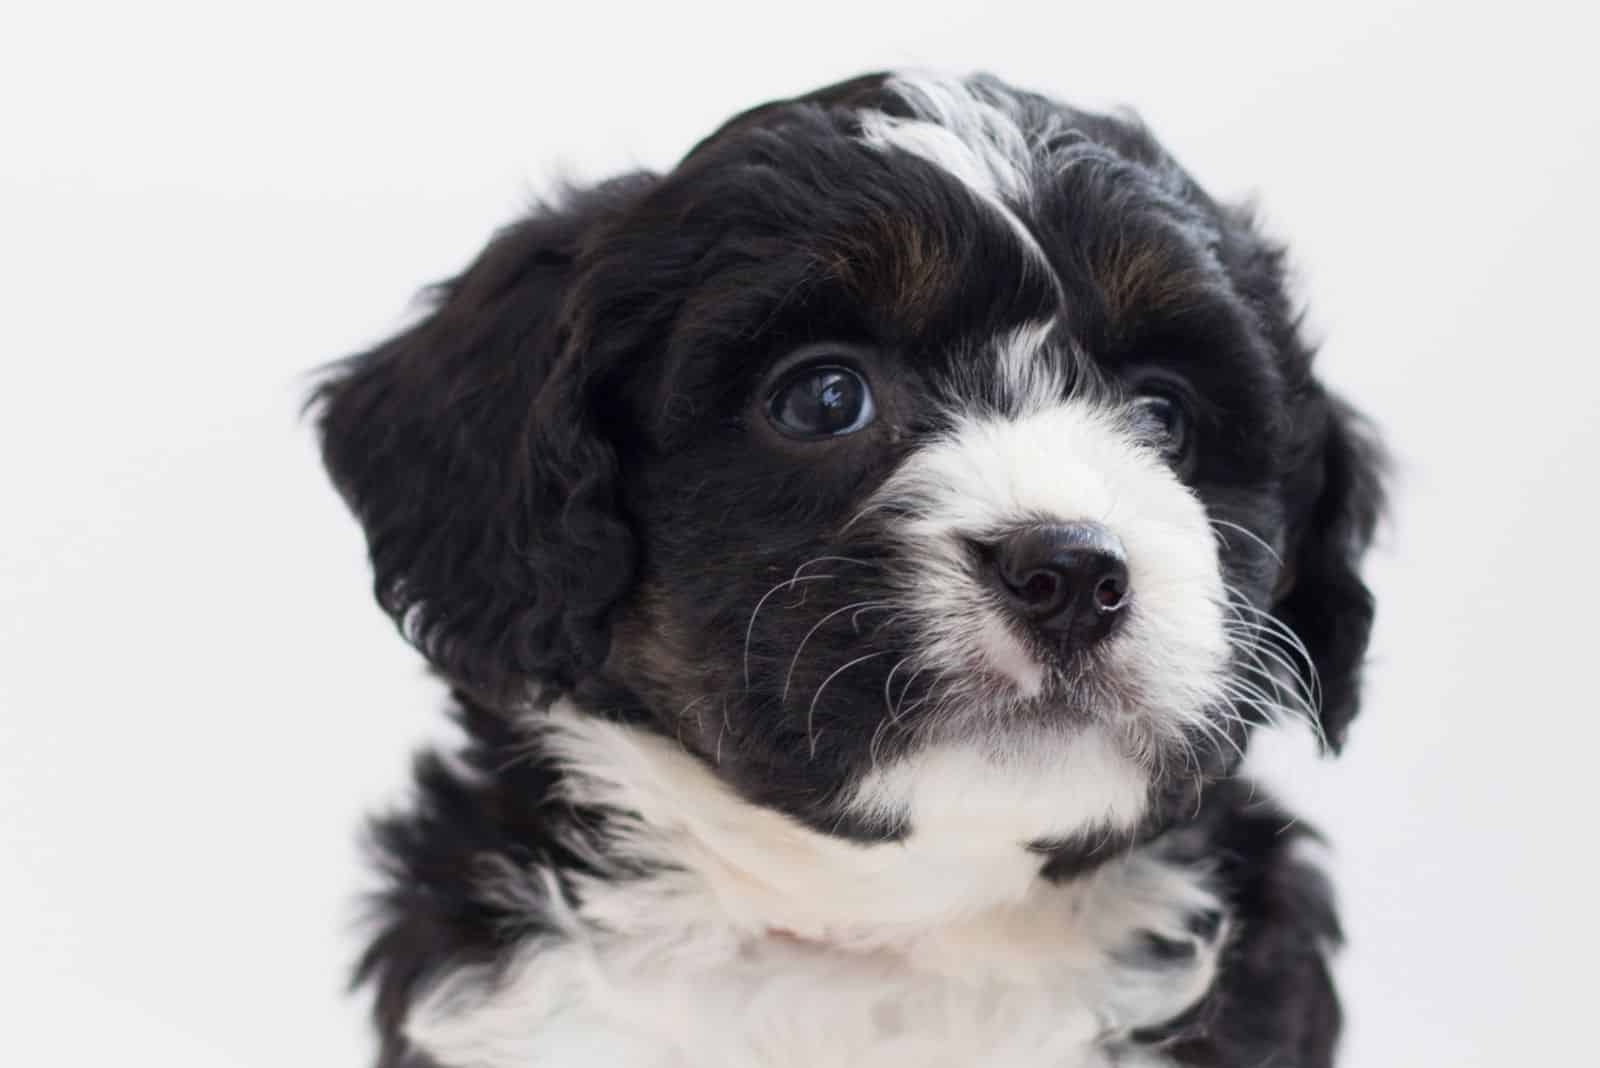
x=468, y=448
x=1321, y=595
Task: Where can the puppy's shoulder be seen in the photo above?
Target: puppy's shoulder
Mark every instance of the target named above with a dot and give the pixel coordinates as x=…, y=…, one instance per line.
x=474, y=861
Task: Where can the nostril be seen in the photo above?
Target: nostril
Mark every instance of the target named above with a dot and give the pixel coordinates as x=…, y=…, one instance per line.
x=1111, y=592
x=1040, y=588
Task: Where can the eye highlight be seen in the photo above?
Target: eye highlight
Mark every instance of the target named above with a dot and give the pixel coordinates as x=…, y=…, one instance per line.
x=821, y=401
x=1166, y=418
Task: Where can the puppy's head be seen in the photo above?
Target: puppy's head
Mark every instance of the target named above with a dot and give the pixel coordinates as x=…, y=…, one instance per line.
x=904, y=434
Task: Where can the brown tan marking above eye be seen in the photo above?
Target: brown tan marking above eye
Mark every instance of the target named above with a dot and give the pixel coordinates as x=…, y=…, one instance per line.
x=1144, y=277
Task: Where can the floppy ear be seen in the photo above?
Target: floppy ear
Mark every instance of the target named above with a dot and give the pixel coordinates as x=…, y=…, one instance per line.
x=1321, y=595
x=467, y=448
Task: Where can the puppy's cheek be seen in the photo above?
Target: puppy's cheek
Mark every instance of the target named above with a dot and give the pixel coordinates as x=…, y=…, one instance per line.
x=658, y=659
x=1060, y=463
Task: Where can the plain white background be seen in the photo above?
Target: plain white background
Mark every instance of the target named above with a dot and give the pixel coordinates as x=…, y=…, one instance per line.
x=198, y=698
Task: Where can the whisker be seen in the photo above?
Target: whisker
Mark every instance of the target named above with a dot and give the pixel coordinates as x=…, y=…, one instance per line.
x=855, y=620
x=1264, y=635
x=722, y=730
x=888, y=704
x=795, y=661
x=790, y=582
x=899, y=707
x=1252, y=535
x=1301, y=690
x=699, y=724
x=1286, y=634
x=750, y=627
x=811, y=712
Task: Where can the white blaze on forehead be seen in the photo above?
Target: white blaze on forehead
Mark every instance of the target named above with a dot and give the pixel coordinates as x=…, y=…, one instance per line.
x=1029, y=377
x=970, y=132
x=1065, y=461
x=970, y=136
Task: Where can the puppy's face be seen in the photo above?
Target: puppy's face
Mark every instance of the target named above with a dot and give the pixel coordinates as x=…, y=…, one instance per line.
x=912, y=437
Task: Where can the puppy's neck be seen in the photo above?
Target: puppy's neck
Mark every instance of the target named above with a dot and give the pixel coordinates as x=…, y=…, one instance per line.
x=712, y=859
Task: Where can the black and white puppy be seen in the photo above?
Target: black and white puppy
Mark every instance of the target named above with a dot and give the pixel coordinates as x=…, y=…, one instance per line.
x=859, y=556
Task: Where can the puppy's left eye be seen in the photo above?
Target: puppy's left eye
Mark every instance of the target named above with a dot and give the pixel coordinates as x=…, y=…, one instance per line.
x=1167, y=419
x=821, y=401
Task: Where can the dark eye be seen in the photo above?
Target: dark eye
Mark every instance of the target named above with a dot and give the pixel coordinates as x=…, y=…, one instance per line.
x=821, y=402
x=1167, y=421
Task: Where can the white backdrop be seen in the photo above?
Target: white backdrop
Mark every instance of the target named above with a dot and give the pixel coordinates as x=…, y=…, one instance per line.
x=198, y=698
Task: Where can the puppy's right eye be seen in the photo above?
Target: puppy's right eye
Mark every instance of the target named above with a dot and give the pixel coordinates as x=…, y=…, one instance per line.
x=821, y=401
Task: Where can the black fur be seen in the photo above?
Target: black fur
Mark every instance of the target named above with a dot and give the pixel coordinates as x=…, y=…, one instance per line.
x=468, y=450
x=1274, y=1000
x=488, y=818
x=565, y=491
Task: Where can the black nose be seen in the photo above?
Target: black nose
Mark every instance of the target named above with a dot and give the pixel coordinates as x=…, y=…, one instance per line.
x=1070, y=582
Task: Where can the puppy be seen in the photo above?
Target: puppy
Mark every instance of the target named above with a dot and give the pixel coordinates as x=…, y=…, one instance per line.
x=859, y=556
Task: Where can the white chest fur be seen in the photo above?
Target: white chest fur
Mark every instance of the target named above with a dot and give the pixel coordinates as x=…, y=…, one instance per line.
x=751, y=946
x=1053, y=981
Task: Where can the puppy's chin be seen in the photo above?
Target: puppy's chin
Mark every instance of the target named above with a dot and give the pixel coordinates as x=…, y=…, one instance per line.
x=1077, y=758
x=1047, y=778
